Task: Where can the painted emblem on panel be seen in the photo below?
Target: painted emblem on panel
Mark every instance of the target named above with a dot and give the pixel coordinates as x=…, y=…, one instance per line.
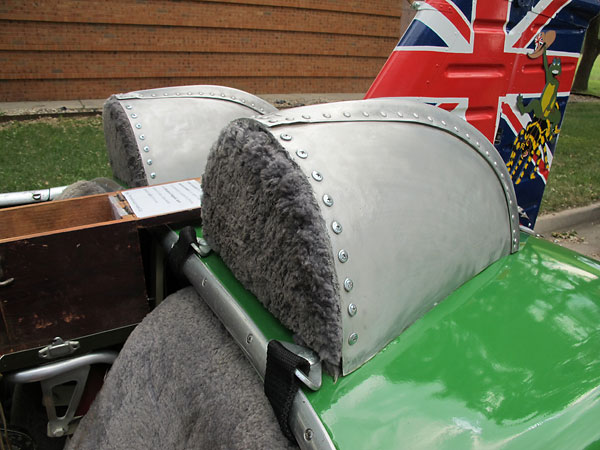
x=530, y=149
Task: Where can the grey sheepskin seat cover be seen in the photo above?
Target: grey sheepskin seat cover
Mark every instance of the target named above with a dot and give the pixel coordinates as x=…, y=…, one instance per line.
x=277, y=246
x=180, y=382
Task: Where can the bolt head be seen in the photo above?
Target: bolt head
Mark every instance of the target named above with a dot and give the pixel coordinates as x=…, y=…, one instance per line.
x=317, y=176
x=348, y=284
x=308, y=434
x=328, y=200
x=285, y=137
x=153, y=175
x=343, y=256
x=352, y=310
x=249, y=339
x=353, y=339
x=302, y=153
x=336, y=227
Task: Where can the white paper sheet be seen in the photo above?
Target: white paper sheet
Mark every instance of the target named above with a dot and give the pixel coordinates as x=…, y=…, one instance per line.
x=164, y=199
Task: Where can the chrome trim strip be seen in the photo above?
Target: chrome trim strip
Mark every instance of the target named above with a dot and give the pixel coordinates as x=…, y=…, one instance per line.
x=304, y=421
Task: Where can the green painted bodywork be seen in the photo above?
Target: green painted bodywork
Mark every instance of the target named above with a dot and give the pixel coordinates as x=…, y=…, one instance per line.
x=511, y=359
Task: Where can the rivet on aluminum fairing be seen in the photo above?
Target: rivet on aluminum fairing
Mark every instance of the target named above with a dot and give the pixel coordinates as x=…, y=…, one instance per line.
x=252, y=104
x=272, y=120
x=212, y=94
x=285, y=137
x=456, y=129
x=477, y=144
x=134, y=116
x=416, y=115
x=352, y=309
x=501, y=175
x=348, y=284
x=400, y=114
x=327, y=115
x=308, y=434
x=383, y=114
x=305, y=116
x=366, y=114
x=467, y=135
x=317, y=175
x=223, y=95
x=429, y=118
x=138, y=125
x=353, y=338
x=336, y=227
x=142, y=137
x=166, y=94
x=189, y=93
x=249, y=339
x=149, y=162
x=302, y=153
x=153, y=175
x=242, y=100
x=153, y=95
x=487, y=153
x=444, y=122
x=233, y=97
x=347, y=114
x=343, y=255
x=146, y=149
x=289, y=119
x=128, y=106
x=328, y=200
x=262, y=110
x=178, y=93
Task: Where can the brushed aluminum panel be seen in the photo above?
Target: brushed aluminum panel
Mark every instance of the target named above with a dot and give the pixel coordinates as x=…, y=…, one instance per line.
x=420, y=205
x=175, y=127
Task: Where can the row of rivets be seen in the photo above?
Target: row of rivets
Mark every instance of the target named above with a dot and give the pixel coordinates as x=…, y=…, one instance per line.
x=210, y=94
x=142, y=137
x=335, y=225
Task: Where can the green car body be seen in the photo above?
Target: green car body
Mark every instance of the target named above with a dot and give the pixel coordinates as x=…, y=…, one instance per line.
x=511, y=359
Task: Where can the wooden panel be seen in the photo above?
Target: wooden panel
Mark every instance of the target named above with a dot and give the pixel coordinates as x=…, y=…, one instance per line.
x=200, y=14
x=149, y=38
x=72, y=284
x=50, y=216
x=63, y=65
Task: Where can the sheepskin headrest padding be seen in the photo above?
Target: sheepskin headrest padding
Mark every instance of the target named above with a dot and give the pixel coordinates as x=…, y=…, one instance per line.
x=272, y=236
x=122, y=148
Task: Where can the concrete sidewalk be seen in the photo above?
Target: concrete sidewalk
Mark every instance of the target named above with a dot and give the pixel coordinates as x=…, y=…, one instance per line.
x=577, y=229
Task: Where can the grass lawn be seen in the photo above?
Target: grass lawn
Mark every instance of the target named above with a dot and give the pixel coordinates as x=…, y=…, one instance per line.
x=51, y=152
x=574, y=178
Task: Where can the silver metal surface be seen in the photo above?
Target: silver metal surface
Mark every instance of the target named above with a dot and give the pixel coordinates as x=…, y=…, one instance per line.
x=58, y=348
x=352, y=309
x=423, y=199
x=328, y=200
x=57, y=368
x=252, y=342
x=8, y=199
x=175, y=127
x=313, y=378
x=58, y=426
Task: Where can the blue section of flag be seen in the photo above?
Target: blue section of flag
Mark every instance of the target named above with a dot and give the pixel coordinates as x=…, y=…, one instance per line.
x=419, y=34
x=466, y=6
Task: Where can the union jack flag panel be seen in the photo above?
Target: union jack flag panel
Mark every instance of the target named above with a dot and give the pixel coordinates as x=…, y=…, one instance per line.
x=504, y=66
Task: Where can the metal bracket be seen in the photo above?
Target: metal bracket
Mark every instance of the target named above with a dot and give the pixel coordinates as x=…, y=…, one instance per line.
x=58, y=348
x=202, y=248
x=313, y=379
